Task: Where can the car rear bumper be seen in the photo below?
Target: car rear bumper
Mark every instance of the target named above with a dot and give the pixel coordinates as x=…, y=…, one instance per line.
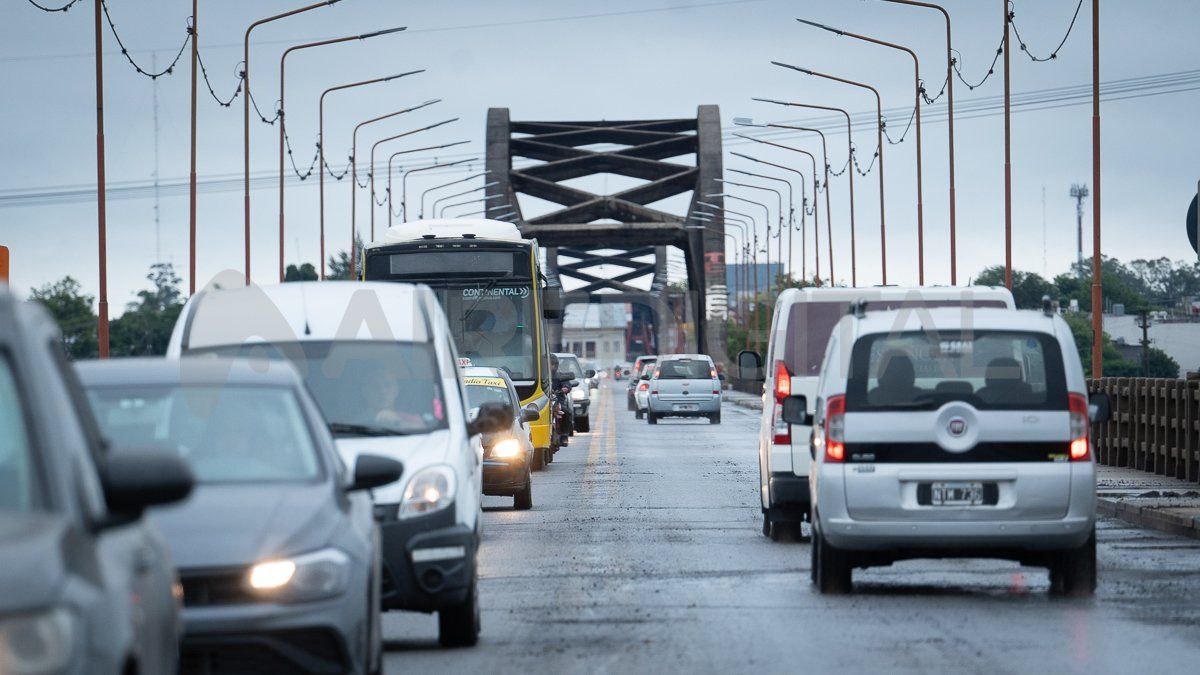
x=1033, y=535
x=428, y=562
x=505, y=477
x=313, y=637
x=667, y=408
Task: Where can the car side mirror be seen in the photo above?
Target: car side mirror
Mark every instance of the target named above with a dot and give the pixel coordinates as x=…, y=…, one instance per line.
x=750, y=365
x=372, y=471
x=136, y=480
x=795, y=410
x=645, y=376
x=589, y=373
x=721, y=376
x=1099, y=407
x=493, y=416
x=530, y=413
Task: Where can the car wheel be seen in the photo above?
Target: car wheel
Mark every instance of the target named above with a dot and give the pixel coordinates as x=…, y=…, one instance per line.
x=812, y=559
x=833, y=567
x=714, y=418
x=523, y=500
x=458, y=626
x=583, y=424
x=374, y=653
x=1073, y=572
x=651, y=417
x=766, y=526
x=638, y=413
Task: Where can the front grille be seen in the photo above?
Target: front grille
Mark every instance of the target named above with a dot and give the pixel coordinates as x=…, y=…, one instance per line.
x=223, y=587
x=293, y=651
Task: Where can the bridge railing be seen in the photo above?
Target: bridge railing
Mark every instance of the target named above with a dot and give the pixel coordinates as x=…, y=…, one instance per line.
x=1154, y=426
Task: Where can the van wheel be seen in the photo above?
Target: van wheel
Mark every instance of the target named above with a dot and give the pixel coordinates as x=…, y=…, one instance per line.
x=833, y=571
x=1073, y=572
x=766, y=528
x=523, y=500
x=714, y=418
x=458, y=626
x=651, y=417
x=583, y=424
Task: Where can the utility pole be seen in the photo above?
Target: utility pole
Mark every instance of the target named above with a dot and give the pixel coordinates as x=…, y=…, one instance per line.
x=1079, y=192
x=157, y=219
x=1144, y=324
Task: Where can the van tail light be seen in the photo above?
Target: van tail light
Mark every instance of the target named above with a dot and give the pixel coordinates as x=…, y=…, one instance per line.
x=643, y=386
x=834, y=429
x=783, y=389
x=1080, y=428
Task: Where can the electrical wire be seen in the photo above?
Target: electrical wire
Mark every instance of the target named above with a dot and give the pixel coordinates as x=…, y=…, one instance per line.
x=125, y=50
x=1012, y=20
x=44, y=8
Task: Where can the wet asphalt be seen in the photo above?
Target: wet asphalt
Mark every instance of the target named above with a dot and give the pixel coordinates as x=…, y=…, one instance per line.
x=644, y=553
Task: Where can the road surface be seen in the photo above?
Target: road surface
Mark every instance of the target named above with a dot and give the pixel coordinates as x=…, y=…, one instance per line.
x=643, y=553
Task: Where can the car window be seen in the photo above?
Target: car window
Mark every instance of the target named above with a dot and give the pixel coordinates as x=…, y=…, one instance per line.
x=226, y=433
x=394, y=386
x=481, y=390
x=19, y=488
x=571, y=365
x=684, y=369
x=991, y=370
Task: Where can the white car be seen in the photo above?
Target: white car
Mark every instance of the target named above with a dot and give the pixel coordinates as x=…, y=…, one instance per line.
x=378, y=359
x=800, y=328
x=945, y=433
x=684, y=385
x=581, y=393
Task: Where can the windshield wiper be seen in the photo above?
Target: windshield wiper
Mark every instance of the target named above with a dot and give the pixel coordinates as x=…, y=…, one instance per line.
x=482, y=294
x=364, y=430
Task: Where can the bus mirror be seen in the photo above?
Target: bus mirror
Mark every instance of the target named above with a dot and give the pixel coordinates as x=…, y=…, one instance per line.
x=552, y=303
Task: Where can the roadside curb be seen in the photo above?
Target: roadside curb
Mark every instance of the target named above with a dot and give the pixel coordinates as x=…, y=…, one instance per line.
x=1172, y=519
x=744, y=400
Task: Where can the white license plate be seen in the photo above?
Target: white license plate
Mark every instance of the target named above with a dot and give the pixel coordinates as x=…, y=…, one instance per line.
x=685, y=407
x=956, y=494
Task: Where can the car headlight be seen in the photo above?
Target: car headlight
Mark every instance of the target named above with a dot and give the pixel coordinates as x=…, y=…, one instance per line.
x=431, y=489
x=42, y=642
x=312, y=576
x=577, y=394
x=506, y=449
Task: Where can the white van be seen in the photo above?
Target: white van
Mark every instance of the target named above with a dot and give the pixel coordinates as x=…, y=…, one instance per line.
x=953, y=433
x=800, y=329
x=379, y=360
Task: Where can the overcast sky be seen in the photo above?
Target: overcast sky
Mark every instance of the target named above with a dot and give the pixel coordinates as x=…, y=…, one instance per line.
x=574, y=59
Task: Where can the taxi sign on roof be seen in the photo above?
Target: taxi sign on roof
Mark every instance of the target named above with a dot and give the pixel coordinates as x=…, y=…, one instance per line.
x=485, y=381
x=464, y=362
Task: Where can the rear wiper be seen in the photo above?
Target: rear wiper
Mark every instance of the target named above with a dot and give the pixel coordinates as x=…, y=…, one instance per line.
x=363, y=430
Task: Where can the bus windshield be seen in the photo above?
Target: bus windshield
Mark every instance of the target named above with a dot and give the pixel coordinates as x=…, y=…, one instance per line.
x=493, y=325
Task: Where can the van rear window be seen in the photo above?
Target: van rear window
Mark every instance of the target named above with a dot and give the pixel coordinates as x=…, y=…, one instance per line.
x=811, y=323
x=991, y=370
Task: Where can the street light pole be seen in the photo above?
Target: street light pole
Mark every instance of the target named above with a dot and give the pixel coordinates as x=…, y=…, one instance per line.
x=791, y=213
x=803, y=206
x=283, y=117
x=246, y=116
x=1008, y=158
x=321, y=145
x=421, y=212
x=766, y=222
x=192, y=169
x=101, y=225
x=950, y=126
x=850, y=170
x=371, y=173
x=779, y=229
x=917, y=113
x=1097, y=290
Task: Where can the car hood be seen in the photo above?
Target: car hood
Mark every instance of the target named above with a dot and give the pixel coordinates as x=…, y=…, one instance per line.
x=230, y=525
x=32, y=564
x=414, y=452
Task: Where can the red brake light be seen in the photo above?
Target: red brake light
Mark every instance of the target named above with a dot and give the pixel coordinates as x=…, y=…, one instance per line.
x=1080, y=443
x=783, y=389
x=835, y=429
x=643, y=386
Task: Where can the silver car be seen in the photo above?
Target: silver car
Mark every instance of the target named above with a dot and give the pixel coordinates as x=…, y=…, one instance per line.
x=951, y=433
x=684, y=385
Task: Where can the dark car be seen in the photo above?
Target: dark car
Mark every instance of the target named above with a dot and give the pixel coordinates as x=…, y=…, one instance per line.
x=278, y=550
x=508, y=454
x=86, y=584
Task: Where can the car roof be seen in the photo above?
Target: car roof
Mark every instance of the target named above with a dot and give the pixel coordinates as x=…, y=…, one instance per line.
x=673, y=357
x=449, y=228
x=203, y=370
x=564, y=354
x=308, y=310
x=952, y=318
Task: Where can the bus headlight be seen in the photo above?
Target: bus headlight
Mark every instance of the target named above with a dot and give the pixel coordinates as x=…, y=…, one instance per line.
x=431, y=489
x=41, y=642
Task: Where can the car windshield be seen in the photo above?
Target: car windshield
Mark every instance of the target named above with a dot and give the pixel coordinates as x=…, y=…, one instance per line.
x=226, y=433
x=684, y=369
x=991, y=370
x=365, y=387
x=18, y=475
x=480, y=390
x=493, y=325
x=569, y=364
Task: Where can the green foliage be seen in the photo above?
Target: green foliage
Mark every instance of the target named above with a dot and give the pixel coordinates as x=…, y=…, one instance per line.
x=72, y=310
x=339, y=263
x=1161, y=365
x=1028, y=288
x=145, y=327
x=305, y=272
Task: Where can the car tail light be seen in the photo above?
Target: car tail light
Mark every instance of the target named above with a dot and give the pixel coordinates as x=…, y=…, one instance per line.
x=834, y=429
x=643, y=386
x=712, y=372
x=783, y=389
x=1080, y=442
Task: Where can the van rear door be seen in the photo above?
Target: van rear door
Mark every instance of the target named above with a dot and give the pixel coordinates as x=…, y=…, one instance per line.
x=965, y=427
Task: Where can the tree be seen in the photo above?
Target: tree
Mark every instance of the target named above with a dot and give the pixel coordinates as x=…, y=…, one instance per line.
x=145, y=327
x=1121, y=285
x=1028, y=288
x=72, y=311
x=305, y=272
x=339, y=263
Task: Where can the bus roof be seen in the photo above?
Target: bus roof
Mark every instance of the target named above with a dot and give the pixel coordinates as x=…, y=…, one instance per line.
x=449, y=228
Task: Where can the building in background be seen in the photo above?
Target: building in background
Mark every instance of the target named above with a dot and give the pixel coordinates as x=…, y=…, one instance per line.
x=597, y=332
x=734, y=277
